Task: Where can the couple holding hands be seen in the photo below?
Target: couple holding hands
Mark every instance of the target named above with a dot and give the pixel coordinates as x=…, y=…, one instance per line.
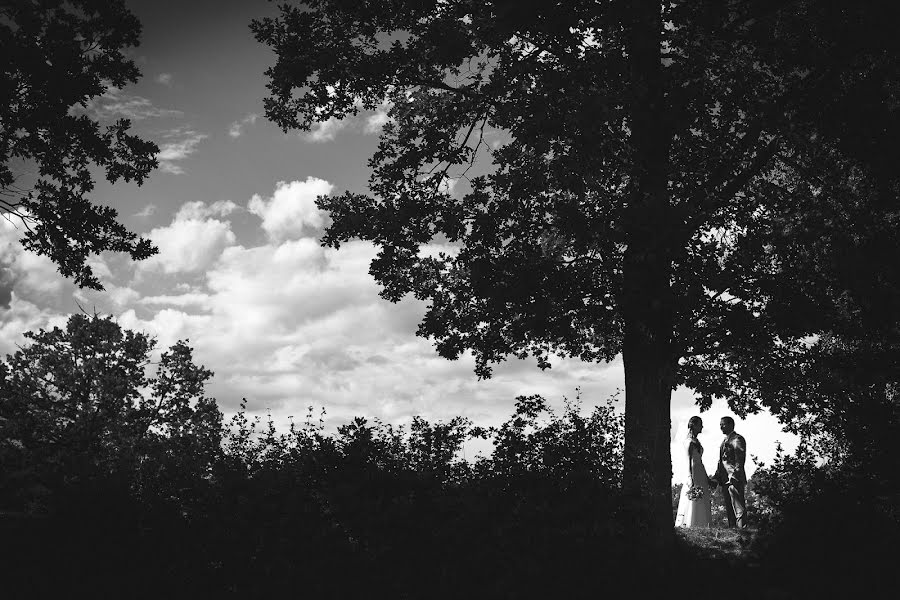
x=695, y=503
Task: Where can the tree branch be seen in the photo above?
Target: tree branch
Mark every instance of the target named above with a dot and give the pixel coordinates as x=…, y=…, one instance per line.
x=731, y=188
x=462, y=91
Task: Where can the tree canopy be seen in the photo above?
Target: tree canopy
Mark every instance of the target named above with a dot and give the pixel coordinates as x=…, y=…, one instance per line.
x=648, y=166
x=78, y=404
x=57, y=56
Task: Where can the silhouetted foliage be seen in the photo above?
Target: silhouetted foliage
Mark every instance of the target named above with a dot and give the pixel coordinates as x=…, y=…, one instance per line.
x=78, y=410
x=142, y=482
x=58, y=56
x=833, y=507
x=140, y=476
x=837, y=519
x=404, y=509
x=651, y=166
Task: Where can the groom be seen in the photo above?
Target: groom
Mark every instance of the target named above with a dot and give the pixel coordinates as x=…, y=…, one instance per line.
x=730, y=472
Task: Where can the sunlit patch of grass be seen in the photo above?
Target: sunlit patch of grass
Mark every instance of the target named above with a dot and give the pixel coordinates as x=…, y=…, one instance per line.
x=716, y=542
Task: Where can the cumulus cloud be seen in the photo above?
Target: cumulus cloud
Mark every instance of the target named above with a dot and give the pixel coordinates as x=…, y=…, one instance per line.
x=7, y=281
x=288, y=323
x=237, y=127
x=167, y=326
x=31, y=290
x=177, y=145
x=23, y=315
x=193, y=241
x=292, y=322
x=287, y=283
x=32, y=276
x=291, y=210
x=113, y=298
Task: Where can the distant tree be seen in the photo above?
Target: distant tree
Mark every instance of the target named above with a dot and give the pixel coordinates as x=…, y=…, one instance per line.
x=646, y=153
x=76, y=404
x=57, y=56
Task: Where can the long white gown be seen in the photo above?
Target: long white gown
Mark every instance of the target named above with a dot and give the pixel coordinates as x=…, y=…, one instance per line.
x=695, y=513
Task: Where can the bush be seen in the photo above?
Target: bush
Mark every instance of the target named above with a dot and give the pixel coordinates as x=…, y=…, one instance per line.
x=402, y=509
x=830, y=518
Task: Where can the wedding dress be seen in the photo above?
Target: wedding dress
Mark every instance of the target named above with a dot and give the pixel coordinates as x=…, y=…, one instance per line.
x=695, y=513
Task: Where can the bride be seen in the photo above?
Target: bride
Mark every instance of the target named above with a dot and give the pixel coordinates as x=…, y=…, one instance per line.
x=695, y=503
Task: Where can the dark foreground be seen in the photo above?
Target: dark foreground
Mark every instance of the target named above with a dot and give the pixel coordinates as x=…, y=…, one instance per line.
x=49, y=558
x=242, y=511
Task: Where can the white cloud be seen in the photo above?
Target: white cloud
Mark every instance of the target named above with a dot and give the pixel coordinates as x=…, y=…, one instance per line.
x=32, y=276
x=164, y=79
x=31, y=290
x=237, y=127
x=183, y=300
x=23, y=315
x=121, y=296
x=291, y=209
x=192, y=242
x=201, y=210
x=115, y=104
x=112, y=298
x=448, y=184
x=148, y=211
x=289, y=323
x=99, y=267
x=276, y=287
x=378, y=119
x=178, y=145
x=325, y=131
x=167, y=326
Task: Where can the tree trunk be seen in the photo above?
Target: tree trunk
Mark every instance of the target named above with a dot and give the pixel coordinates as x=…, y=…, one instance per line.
x=649, y=375
x=647, y=300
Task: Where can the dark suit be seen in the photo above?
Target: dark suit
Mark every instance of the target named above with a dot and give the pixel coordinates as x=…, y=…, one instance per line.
x=731, y=476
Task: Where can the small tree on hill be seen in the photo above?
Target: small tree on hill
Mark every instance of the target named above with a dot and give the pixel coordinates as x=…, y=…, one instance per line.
x=76, y=404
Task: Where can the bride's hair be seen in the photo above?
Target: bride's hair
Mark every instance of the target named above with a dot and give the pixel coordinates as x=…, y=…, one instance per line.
x=692, y=424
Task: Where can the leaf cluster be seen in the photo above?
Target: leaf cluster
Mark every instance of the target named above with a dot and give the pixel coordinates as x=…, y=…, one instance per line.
x=58, y=57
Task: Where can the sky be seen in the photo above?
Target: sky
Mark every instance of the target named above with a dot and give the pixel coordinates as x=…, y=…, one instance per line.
x=240, y=273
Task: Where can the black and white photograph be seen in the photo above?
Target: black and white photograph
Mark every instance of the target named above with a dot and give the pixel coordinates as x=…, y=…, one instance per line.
x=449, y=299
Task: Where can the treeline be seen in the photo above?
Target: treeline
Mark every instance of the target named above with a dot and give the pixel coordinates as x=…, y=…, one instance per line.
x=119, y=483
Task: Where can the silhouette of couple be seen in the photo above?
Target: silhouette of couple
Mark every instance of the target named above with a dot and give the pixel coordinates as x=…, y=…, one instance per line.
x=695, y=503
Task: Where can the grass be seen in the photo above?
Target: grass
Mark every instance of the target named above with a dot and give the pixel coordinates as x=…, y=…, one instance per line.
x=718, y=542
x=726, y=559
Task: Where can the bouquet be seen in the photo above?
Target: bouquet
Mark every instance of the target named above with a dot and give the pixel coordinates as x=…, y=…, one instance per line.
x=695, y=492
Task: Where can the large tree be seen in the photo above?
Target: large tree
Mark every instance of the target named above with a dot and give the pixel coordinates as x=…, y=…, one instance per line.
x=57, y=56
x=641, y=156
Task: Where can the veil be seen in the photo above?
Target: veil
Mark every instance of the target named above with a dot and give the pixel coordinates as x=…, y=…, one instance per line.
x=679, y=447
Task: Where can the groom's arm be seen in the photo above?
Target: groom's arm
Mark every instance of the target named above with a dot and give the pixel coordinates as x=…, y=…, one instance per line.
x=720, y=475
x=740, y=458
